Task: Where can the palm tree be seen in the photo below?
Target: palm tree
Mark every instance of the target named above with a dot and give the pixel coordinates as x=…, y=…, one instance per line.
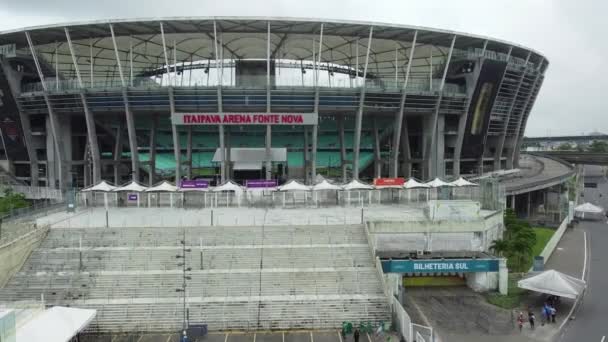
x=499, y=247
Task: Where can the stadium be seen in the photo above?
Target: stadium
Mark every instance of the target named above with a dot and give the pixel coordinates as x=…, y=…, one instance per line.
x=256, y=121
x=271, y=98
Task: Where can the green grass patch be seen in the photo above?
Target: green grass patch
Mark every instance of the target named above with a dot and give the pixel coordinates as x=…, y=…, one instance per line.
x=543, y=235
x=513, y=299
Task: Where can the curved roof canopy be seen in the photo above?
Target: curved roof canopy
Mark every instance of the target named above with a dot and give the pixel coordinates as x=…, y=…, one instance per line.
x=193, y=39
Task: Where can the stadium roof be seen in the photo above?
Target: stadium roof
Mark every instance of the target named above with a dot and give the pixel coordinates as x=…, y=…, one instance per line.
x=246, y=38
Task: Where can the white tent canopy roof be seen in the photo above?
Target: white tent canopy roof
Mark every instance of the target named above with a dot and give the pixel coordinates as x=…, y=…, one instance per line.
x=462, y=182
x=357, y=185
x=325, y=185
x=164, y=186
x=438, y=183
x=588, y=208
x=57, y=324
x=294, y=185
x=555, y=283
x=228, y=186
x=101, y=186
x=414, y=184
x=133, y=187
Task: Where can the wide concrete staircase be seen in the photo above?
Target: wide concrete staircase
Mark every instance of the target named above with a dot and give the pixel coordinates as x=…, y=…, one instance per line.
x=241, y=278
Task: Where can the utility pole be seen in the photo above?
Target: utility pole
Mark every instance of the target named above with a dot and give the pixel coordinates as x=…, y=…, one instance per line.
x=185, y=277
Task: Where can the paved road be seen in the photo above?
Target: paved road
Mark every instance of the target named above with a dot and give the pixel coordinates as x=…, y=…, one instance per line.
x=591, y=323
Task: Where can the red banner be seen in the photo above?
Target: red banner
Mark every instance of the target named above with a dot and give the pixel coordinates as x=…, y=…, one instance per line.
x=389, y=181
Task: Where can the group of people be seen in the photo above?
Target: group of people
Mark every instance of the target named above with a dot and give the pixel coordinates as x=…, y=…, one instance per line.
x=548, y=312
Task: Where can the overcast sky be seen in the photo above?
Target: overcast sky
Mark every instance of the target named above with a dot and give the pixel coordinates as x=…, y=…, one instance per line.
x=571, y=34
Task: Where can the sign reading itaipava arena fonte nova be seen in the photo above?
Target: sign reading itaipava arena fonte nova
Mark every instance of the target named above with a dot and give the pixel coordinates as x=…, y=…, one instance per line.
x=245, y=118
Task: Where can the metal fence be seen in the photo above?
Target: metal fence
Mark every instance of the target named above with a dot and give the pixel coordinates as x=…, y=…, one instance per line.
x=491, y=197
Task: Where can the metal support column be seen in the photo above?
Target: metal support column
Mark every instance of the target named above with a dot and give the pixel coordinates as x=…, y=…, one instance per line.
x=57, y=138
x=15, y=88
x=430, y=157
x=118, y=152
x=514, y=157
x=462, y=121
x=128, y=113
x=406, y=166
x=306, y=158
x=359, y=118
x=315, y=127
x=377, y=159
x=400, y=114
x=174, y=131
x=88, y=115
x=153, y=150
x=189, y=152
x=268, y=156
x=342, y=147
x=220, y=108
x=503, y=135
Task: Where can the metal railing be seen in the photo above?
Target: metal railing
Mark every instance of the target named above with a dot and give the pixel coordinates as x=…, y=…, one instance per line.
x=249, y=82
x=33, y=192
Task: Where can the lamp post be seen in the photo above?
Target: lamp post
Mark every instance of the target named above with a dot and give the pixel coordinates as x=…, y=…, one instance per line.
x=184, y=277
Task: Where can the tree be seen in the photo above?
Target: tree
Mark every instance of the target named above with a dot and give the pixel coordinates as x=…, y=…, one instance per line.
x=565, y=147
x=500, y=247
x=12, y=200
x=598, y=146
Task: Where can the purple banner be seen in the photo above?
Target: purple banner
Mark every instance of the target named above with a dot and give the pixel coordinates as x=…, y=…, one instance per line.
x=132, y=197
x=194, y=184
x=261, y=183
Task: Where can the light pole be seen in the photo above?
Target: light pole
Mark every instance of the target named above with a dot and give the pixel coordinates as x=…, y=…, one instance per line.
x=184, y=277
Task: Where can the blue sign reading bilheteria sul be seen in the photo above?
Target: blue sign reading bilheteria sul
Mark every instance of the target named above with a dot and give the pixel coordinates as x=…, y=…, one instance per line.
x=440, y=265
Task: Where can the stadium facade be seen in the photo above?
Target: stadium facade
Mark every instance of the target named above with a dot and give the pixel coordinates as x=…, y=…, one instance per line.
x=250, y=98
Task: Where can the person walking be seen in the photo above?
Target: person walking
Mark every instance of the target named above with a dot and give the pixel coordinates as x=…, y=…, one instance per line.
x=520, y=320
x=356, y=335
x=531, y=319
x=553, y=313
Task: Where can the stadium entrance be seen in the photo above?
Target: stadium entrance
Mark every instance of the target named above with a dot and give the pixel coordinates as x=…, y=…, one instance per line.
x=250, y=163
x=477, y=273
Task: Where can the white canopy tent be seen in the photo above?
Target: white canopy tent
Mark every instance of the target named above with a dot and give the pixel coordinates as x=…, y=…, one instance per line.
x=441, y=188
x=588, y=210
x=555, y=283
x=412, y=185
x=228, y=192
x=164, y=186
x=297, y=191
x=57, y=324
x=325, y=188
x=196, y=197
x=130, y=188
x=357, y=187
x=463, y=189
x=325, y=185
x=294, y=185
x=103, y=187
x=154, y=193
x=228, y=186
x=462, y=182
x=438, y=183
